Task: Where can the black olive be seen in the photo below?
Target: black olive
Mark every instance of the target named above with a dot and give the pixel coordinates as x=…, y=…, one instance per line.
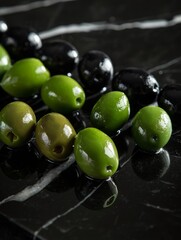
x=140, y=87
x=169, y=99
x=95, y=70
x=60, y=57
x=21, y=42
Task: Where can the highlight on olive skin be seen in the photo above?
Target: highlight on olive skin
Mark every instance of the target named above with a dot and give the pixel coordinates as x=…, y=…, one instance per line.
x=54, y=136
x=151, y=128
x=17, y=122
x=21, y=42
x=96, y=153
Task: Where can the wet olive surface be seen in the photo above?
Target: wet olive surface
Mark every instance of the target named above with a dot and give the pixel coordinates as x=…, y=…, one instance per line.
x=142, y=200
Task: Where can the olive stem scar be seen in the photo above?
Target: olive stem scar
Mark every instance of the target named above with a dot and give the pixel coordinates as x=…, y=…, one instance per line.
x=34, y=189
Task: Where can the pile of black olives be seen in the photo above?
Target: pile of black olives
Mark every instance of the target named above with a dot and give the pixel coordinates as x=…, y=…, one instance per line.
x=59, y=114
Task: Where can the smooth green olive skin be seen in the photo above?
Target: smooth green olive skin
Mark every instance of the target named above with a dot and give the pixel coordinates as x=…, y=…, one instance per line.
x=96, y=153
x=5, y=61
x=151, y=128
x=25, y=78
x=54, y=136
x=63, y=94
x=111, y=111
x=17, y=122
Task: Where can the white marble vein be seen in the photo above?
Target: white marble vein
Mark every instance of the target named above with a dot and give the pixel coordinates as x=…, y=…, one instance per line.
x=51, y=221
x=98, y=26
x=159, y=208
x=29, y=6
x=34, y=189
x=165, y=65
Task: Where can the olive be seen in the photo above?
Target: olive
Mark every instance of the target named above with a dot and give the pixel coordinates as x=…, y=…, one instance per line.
x=17, y=121
x=169, y=99
x=95, y=153
x=60, y=57
x=150, y=166
x=5, y=61
x=95, y=70
x=151, y=128
x=110, y=112
x=54, y=136
x=62, y=94
x=21, y=42
x=104, y=194
x=25, y=78
x=140, y=87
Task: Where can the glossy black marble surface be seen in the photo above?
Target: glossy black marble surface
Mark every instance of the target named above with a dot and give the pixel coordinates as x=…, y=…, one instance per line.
x=142, y=201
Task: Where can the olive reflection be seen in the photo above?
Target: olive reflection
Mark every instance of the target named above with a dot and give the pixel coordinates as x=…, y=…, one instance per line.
x=65, y=181
x=149, y=165
x=104, y=195
x=18, y=163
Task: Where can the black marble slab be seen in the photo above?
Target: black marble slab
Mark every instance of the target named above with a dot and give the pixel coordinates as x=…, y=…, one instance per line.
x=142, y=201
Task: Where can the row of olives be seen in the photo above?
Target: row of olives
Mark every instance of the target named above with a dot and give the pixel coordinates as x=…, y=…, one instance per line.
x=95, y=69
x=43, y=69
x=95, y=152
x=140, y=87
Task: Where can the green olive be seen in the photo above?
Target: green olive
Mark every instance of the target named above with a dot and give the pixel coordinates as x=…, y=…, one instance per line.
x=110, y=112
x=25, y=77
x=54, y=136
x=63, y=94
x=5, y=61
x=151, y=128
x=96, y=153
x=17, y=122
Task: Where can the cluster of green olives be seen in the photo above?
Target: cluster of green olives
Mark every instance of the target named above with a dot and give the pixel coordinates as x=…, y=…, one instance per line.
x=95, y=152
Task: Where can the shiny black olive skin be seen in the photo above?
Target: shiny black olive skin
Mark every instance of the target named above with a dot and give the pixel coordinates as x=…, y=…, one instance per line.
x=169, y=99
x=21, y=42
x=60, y=57
x=140, y=87
x=95, y=70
